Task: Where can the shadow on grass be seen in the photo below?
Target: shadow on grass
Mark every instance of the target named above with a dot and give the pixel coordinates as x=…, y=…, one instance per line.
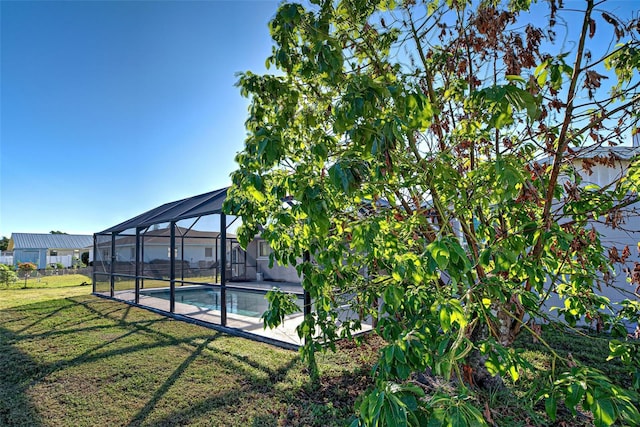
x=140, y=326
x=232, y=401
x=162, y=390
x=68, y=340
x=20, y=371
x=17, y=368
x=145, y=327
x=43, y=318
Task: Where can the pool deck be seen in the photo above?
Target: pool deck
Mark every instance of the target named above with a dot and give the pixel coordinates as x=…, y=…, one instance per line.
x=284, y=334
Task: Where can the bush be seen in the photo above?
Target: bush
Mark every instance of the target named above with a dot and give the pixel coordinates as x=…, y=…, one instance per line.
x=7, y=275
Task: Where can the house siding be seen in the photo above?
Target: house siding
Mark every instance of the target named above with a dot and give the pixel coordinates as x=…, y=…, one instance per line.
x=36, y=256
x=627, y=235
x=34, y=247
x=276, y=273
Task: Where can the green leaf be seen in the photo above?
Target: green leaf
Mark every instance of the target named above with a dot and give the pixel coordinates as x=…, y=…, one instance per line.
x=393, y=297
x=281, y=304
x=604, y=412
x=289, y=12
x=457, y=313
x=440, y=253
x=515, y=78
x=574, y=395
x=541, y=72
x=513, y=371
x=551, y=407
x=445, y=319
x=485, y=257
x=256, y=194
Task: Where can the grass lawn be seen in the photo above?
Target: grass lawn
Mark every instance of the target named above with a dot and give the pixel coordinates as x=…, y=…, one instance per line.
x=42, y=289
x=72, y=359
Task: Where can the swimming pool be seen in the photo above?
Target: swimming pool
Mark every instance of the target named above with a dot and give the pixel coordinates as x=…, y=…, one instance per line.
x=239, y=301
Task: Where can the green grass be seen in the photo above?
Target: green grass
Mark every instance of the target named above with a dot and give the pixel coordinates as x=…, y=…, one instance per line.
x=516, y=405
x=80, y=360
x=43, y=289
x=72, y=359
x=49, y=282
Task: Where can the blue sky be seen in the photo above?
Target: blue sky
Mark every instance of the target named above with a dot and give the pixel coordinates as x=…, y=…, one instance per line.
x=109, y=109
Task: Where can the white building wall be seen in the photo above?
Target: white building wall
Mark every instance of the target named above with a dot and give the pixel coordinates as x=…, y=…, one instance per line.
x=602, y=175
x=261, y=263
x=628, y=235
x=195, y=254
x=65, y=260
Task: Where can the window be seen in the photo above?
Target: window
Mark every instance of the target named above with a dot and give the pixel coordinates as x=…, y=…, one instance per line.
x=53, y=253
x=208, y=252
x=169, y=252
x=132, y=254
x=105, y=253
x=263, y=249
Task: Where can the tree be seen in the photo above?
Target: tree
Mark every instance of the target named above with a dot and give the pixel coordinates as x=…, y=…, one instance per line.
x=57, y=232
x=26, y=268
x=420, y=152
x=4, y=243
x=84, y=257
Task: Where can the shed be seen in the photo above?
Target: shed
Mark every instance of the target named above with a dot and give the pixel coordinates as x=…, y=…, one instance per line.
x=46, y=249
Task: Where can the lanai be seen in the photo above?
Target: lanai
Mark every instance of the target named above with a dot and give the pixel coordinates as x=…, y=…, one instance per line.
x=180, y=257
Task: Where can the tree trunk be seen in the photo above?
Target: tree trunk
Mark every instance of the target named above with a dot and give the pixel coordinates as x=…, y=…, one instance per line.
x=476, y=373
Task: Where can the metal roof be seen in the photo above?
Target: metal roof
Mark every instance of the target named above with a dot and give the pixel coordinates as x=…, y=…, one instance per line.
x=203, y=204
x=619, y=152
x=50, y=241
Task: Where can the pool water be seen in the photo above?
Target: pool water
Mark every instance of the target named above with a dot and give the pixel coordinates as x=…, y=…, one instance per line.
x=244, y=302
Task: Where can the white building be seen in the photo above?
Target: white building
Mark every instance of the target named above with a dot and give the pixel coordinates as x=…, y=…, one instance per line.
x=620, y=231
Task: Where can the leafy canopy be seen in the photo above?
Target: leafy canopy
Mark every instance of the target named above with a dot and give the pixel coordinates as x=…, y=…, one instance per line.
x=423, y=154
